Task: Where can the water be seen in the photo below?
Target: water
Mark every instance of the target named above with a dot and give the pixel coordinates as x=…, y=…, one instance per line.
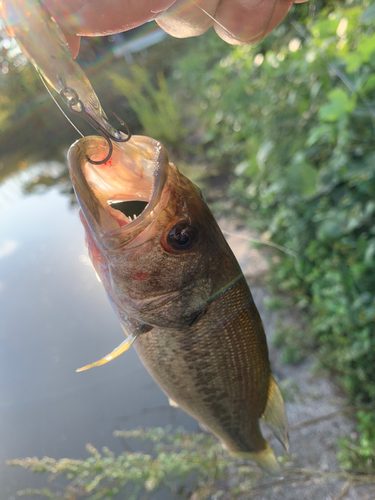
x=55, y=318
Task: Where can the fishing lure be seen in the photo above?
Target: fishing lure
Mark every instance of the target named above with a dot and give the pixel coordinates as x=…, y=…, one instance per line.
x=42, y=41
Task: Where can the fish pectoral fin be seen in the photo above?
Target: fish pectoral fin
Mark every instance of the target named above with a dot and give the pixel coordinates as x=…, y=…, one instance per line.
x=275, y=416
x=124, y=346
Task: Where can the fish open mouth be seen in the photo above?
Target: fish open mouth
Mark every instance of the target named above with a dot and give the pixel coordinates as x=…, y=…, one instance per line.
x=131, y=209
x=123, y=190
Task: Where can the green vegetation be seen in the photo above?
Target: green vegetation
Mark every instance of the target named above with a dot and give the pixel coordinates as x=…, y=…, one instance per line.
x=359, y=454
x=156, y=110
x=181, y=465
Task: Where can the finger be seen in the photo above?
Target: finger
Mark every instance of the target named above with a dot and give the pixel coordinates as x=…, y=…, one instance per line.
x=248, y=21
x=188, y=17
x=102, y=17
x=74, y=42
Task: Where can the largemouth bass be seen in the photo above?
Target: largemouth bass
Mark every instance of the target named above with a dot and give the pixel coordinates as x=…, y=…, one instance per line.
x=178, y=291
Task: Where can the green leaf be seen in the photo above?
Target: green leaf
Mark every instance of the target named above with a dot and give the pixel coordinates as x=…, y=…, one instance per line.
x=366, y=47
x=302, y=177
x=353, y=62
x=326, y=27
x=368, y=15
x=339, y=105
x=370, y=253
x=330, y=229
x=317, y=133
x=264, y=152
x=241, y=168
x=369, y=84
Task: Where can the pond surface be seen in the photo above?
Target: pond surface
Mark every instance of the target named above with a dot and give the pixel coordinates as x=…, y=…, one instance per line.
x=55, y=318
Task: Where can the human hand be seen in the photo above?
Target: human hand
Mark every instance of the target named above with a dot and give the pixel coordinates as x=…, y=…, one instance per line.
x=235, y=21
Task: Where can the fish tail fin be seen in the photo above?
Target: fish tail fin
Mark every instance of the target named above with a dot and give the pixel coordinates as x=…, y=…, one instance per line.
x=265, y=459
x=275, y=416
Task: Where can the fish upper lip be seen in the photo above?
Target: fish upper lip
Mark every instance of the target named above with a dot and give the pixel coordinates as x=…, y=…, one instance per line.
x=142, y=162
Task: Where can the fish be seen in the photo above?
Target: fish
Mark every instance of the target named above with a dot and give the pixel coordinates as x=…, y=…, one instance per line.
x=179, y=292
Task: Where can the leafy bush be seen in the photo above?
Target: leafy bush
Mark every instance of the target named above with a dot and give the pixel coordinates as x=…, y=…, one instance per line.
x=187, y=465
x=180, y=465
x=359, y=453
x=294, y=118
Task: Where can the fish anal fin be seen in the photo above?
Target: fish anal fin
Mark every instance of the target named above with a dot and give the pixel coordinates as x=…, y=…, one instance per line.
x=173, y=403
x=275, y=416
x=203, y=427
x=265, y=459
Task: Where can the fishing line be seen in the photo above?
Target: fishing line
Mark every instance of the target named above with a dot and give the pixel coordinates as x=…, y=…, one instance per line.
x=261, y=242
x=223, y=27
x=58, y=105
x=213, y=19
x=270, y=244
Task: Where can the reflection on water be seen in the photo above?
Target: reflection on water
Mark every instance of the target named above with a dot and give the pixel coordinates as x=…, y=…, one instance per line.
x=24, y=179
x=55, y=317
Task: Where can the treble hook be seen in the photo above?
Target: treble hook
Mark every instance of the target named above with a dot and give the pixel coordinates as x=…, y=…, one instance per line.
x=103, y=132
x=76, y=106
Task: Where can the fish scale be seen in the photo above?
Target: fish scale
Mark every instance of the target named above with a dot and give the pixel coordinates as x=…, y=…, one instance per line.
x=225, y=389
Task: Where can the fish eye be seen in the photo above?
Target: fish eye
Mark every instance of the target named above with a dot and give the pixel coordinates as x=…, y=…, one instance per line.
x=182, y=237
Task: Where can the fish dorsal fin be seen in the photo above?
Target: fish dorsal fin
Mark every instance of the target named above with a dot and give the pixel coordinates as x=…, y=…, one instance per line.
x=275, y=416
